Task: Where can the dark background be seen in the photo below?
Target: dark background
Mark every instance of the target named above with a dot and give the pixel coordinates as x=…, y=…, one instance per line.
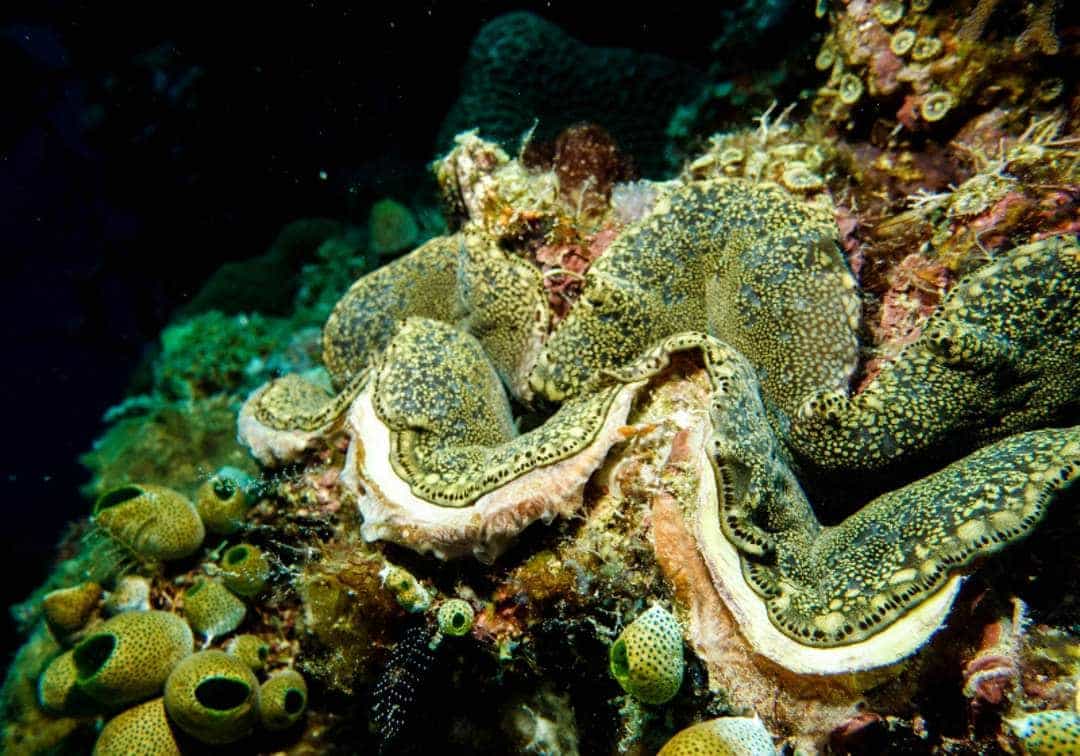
x=141, y=148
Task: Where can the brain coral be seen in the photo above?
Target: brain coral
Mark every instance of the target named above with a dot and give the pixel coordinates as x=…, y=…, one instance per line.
x=524, y=70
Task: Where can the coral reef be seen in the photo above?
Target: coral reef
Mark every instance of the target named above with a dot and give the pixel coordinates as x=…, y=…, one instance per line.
x=799, y=426
x=928, y=64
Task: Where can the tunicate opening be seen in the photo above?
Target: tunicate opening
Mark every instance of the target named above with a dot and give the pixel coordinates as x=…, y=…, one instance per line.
x=458, y=620
x=236, y=554
x=620, y=664
x=224, y=488
x=264, y=651
x=116, y=496
x=221, y=693
x=294, y=702
x=90, y=655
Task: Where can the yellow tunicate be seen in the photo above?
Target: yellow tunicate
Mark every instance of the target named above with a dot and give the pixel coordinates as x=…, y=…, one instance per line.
x=212, y=609
x=282, y=700
x=726, y=736
x=213, y=697
x=647, y=657
x=127, y=658
x=154, y=522
x=1046, y=733
x=141, y=729
x=67, y=609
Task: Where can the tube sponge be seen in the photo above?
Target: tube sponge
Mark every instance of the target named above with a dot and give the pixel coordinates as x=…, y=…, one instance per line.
x=57, y=691
x=222, y=504
x=647, y=658
x=211, y=609
x=141, y=729
x=68, y=609
x=245, y=570
x=154, y=522
x=213, y=697
x=726, y=736
x=250, y=649
x=282, y=700
x=128, y=657
x=455, y=617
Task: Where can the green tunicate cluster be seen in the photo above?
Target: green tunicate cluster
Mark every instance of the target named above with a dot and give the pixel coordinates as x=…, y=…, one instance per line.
x=282, y=700
x=455, y=617
x=211, y=609
x=245, y=570
x=128, y=658
x=647, y=657
x=222, y=504
x=250, y=649
x=726, y=736
x=152, y=522
x=142, y=729
x=1048, y=733
x=213, y=697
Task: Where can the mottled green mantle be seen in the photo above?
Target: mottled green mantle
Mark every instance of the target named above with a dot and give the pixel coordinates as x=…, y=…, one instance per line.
x=750, y=279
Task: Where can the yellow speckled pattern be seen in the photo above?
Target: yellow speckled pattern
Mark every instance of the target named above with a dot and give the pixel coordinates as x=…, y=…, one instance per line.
x=754, y=266
x=245, y=569
x=127, y=658
x=726, y=736
x=212, y=609
x=1001, y=355
x=282, y=700
x=1048, y=733
x=647, y=657
x=213, y=697
x=153, y=522
x=142, y=730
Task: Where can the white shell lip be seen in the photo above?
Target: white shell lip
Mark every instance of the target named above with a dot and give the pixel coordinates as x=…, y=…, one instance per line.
x=489, y=525
x=885, y=648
